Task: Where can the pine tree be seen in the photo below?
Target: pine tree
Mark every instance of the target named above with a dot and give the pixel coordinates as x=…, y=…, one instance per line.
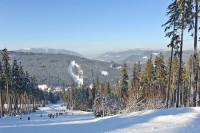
x=2, y=84
x=198, y=85
x=159, y=80
x=195, y=55
x=169, y=77
x=93, y=93
x=134, y=81
x=107, y=88
x=193, y=19
x=117, y=90
x=102, y=90
x=97, y=84
x=174, y=79
x=148, y=77
x=183, y=96
x=7, y=72
x=134, y=87
x=15, y=84
x=123, y=83
x=160, y=72
x=173, y=23
x=186, y=21
x=189, y=75
x=34, y=91
x=183, y=20
x=21, y=87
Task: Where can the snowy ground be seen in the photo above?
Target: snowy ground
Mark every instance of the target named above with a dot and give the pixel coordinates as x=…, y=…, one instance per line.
x=182, y=120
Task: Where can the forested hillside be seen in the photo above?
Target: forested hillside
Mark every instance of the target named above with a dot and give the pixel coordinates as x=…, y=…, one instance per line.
x=139, y=89
x=51, y=69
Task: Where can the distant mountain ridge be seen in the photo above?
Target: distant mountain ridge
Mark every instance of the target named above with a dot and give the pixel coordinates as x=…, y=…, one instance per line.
x=121, y=56
x=138, y=54
x=48, y=51
x=129, y=56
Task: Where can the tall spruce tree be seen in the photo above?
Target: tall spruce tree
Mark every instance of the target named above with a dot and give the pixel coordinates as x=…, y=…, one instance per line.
x=171, y=29
x=160, y=72
x=195, y=55
x=7, y=73
x=123, y=83
x=148, y=76
x=135, y=79
x=107, y=88
x=150, y=92
x=117, y=90
x=2, y=84
x=189, y=75
x=174, y=79
x=186, y=22
x=183, y=94
x=15, y=84
x=183, y=20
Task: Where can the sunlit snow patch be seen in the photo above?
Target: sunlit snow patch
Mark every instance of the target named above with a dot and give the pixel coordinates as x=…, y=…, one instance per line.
x=155, y=54
x=91, y=86
x=44, y=88
x=105, y=73
x=145, y=57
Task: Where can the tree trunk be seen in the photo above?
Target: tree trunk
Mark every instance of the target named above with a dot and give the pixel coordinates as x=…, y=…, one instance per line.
x=16, y=101
x=1, y=103
x=169, y=79
x=198, y=86
x=180, y=56
x=195, y=72
x=182, y=98
x=10, y=104
x=180, y=63
x=7, y=97
x=20, y=103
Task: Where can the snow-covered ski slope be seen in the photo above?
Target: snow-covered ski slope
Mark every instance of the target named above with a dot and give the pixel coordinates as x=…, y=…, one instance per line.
x=182, y=120
x=77, y=78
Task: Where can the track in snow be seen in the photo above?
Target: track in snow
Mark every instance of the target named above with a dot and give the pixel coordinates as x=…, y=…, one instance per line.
x=173, y=120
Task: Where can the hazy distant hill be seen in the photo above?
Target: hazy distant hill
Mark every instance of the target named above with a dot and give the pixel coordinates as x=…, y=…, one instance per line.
x=48, y=51
x=135, y=55
x=122, y=55
x=51, y=69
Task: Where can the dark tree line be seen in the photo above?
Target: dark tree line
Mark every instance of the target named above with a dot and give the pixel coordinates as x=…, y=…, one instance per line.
x=97, y=97
x=19, y=92
x=145, y=88
x=183, y=15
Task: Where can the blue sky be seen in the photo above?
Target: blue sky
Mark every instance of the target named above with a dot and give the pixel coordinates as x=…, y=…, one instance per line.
x=85, y=26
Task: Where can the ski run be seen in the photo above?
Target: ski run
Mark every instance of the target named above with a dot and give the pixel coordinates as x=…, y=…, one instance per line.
x=181, y=120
